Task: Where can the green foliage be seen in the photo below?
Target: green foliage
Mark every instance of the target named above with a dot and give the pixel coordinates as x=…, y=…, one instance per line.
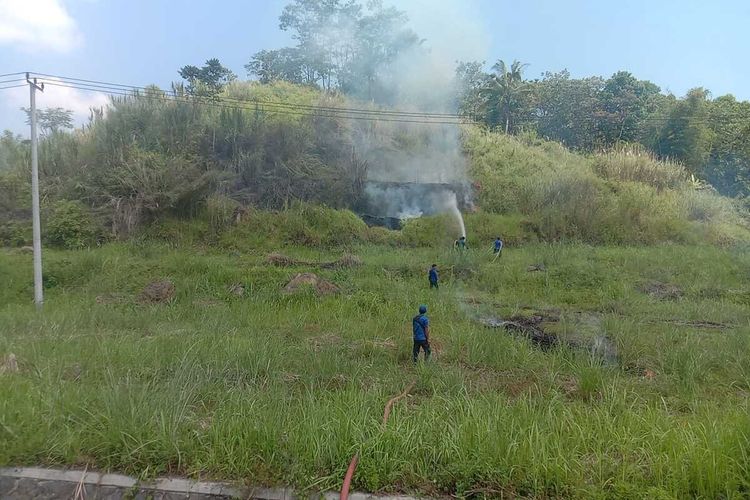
x=207, y=81
x=51, y=120
x=69, y=225
x=15, y=233
x=634, y=164
x=211, y=375
x=221, y=211
x=348, y=46
x=709, y=137
x=622, y=197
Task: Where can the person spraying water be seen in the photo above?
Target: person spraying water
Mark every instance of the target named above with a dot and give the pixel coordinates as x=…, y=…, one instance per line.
x=460, y=244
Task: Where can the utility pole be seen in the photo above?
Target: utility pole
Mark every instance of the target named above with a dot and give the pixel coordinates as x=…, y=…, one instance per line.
x=36, y=224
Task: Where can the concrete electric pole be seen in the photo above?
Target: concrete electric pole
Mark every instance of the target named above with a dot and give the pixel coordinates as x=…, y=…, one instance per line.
x=36, y=224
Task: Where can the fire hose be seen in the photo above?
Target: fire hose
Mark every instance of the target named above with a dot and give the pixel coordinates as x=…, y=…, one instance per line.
x=344, y=495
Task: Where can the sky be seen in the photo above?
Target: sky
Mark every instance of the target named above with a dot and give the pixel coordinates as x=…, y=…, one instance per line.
x=677, y=44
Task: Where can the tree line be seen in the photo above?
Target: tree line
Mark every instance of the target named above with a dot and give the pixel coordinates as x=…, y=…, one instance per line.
x=710, y=136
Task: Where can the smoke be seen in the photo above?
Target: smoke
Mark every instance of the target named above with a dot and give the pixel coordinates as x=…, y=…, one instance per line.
x=422, y=79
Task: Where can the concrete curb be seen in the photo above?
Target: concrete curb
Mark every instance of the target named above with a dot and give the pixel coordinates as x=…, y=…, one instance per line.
x=21, y=483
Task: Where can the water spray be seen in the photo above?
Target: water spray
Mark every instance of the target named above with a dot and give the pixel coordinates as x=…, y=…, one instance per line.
x=453, y=208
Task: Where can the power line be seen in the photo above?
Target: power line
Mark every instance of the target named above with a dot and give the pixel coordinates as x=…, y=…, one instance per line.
x=252, y=105
x=13, y=86
x=119, y=86
x=13, y=80
x=13, y=74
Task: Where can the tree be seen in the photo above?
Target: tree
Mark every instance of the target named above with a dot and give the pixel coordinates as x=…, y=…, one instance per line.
x=686, y=136
x=565, y=108
x=207, y=81
x=272, y=65
x=51, y=120
x=622, y=107
x=505, y=92
x=470, y=81
x=728, y=165
x=341, y=45
x=13, y=151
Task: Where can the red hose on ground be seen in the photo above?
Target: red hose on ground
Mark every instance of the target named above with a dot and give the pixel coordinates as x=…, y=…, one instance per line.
x=344, y=494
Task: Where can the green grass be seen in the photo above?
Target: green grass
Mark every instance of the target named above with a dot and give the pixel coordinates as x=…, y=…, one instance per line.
x=283, y=389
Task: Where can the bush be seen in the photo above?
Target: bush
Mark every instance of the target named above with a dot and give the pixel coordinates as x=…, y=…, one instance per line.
x=220, y=211
x=632, y=163
x=69, y=226
x=302, y=224
x=15, y=233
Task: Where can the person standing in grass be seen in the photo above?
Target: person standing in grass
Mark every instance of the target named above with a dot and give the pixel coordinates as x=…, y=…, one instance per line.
x=460, y=243
x=498, y=249
x=433, y=275
x=421, y=326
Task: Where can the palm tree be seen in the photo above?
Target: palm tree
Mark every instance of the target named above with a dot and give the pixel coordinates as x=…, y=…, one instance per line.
x=505, y=87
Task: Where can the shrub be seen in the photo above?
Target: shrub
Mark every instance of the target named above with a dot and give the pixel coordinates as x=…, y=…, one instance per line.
x=15, y=233
x=69, y=226
x=220, y=211
x=632, y=163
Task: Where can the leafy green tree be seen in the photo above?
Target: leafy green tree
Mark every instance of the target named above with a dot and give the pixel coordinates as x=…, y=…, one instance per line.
x=51, y=120
x=728, y=167
x=13, y=151
x=273, y=65
x=622, y=107
x=686, y=135
x=470, y=81
x=208, y=80
x=341, y=45
x=565, y=108
x=506, y=94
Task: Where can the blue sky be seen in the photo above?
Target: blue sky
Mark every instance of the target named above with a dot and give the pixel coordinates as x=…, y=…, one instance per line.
x=676, y=44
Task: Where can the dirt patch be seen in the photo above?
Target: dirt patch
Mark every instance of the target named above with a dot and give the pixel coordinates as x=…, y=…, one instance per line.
x=9, y=364
x=569, y=386
x=536, y=268
x=157, y=292
x=320, y=285
x=236, y=289
x=345, y=261
x=522, y=326
x=384, y=344
x=661, y=291
x=281, y=260
x=318, y=343
x=532, y=327
x=73, y=372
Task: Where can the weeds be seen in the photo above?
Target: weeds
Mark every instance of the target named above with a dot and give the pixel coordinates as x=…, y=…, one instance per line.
x=283, y=388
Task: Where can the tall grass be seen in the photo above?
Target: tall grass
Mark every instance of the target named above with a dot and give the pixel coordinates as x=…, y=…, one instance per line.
x=283, y=389
x=632, y=163
x=623, y=196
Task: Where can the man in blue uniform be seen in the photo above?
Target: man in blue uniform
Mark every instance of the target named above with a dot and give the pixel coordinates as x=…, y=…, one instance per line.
x=498, y=247
x=421, y=327
x=433, y=275
x=460, y=243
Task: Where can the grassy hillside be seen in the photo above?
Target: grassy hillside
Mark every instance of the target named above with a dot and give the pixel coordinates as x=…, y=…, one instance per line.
x=638, y=272
x=146, y=161
x=272, y=387
x=619, y=197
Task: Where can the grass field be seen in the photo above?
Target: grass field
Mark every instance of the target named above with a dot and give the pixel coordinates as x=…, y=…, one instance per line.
x=279, y=388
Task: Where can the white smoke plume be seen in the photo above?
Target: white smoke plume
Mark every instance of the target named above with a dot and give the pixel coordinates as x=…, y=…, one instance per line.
x=423, y=80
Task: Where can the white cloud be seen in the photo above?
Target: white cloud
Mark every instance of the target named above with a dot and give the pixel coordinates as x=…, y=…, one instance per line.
x=43, y=24
x=78, y=101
